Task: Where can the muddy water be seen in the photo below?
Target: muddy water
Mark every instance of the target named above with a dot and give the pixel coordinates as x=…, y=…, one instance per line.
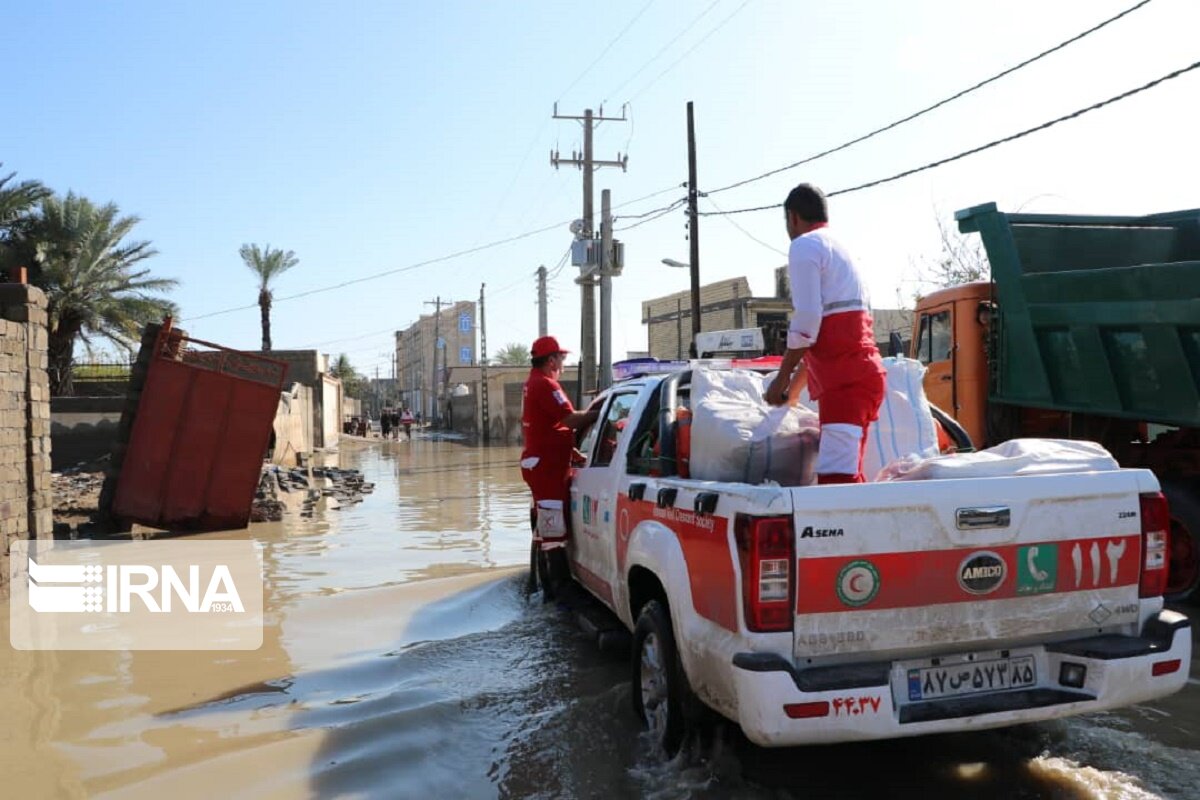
x=401, y=659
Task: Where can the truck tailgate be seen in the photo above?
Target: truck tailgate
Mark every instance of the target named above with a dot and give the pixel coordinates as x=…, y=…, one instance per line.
x=935, y=566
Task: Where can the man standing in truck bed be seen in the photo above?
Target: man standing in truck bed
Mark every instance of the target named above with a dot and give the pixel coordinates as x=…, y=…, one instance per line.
x=831, y=339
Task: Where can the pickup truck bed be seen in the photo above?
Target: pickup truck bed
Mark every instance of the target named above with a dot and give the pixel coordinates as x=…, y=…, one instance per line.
x=835, y=613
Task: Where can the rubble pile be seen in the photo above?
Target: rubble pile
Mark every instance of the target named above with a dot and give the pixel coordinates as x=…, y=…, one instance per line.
x=280, y=490
x=77, y=493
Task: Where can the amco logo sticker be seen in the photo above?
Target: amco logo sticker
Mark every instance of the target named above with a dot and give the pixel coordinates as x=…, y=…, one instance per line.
x=982, y=573
x=166, y=595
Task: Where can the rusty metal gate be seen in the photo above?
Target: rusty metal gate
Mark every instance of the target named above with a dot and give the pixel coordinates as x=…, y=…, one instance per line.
x=196, y=447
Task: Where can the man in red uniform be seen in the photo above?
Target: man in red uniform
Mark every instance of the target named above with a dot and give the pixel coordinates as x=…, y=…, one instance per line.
x=831, y=339
x=548, y=425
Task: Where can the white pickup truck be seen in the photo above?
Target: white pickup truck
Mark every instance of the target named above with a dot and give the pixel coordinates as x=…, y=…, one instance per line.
x=823, y=614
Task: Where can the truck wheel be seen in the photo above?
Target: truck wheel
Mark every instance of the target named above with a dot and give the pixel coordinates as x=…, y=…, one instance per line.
x=1185, y=542
x=659, y=686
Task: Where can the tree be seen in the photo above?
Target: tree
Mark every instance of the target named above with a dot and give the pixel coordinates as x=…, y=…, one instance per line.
x=961, y=260
x=512, y=355
x=353, y=382
x=17, y=204
x=267, y=264
x=89, y=273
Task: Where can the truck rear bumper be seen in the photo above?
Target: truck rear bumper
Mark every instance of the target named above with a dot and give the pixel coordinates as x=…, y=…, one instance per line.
x=781, y=705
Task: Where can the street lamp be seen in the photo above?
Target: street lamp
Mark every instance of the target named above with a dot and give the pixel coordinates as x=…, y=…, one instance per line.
x=670, y=262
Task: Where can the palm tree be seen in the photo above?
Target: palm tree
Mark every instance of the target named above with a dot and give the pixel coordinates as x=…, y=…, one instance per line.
x=513, y=354
x=266, y=264
x=353, y=382
x=17, y=201
x=89, y=274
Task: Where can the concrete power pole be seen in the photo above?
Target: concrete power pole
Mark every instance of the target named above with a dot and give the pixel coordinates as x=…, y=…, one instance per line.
x=587, y=277
x=485, y=433
x=693, y=225
x=541, y=301
x=436, y=416
x=606, y=273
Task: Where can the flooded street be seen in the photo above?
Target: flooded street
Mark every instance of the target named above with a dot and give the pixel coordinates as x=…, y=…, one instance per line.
x=401, y=659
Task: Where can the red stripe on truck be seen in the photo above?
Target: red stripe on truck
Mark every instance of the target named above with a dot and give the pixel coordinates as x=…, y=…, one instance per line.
x=705, y=543
x=922, y=578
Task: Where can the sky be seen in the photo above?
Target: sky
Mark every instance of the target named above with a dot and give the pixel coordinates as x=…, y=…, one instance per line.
x=378, y=138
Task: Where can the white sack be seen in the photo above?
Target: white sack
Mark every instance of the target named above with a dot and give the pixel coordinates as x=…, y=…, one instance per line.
x=737, y=437
x=905, y=426
x=1014, y=457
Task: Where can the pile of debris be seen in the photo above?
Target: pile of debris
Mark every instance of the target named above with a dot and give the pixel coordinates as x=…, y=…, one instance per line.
x=280, y=490
x=77, y=492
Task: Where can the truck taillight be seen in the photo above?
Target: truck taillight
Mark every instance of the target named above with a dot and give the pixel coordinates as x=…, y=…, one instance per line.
x=765, y=551
x=1156, y=540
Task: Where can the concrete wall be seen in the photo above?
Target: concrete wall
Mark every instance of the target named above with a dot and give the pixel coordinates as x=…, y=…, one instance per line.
x=330, y=412
x=293, y=426
x=26, y=494
x=83, y=428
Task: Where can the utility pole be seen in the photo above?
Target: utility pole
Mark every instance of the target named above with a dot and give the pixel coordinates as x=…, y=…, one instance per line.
x=606, y=273
x=541, y=291
x=587, y=277
x=437, y=342
x=693, y=223
x=483, y=369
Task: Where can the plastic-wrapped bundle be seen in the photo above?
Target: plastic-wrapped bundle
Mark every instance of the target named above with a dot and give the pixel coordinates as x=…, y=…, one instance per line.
x=1014, y=457
x=737, y=437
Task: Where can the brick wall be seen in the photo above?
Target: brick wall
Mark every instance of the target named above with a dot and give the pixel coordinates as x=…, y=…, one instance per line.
x=26, y=495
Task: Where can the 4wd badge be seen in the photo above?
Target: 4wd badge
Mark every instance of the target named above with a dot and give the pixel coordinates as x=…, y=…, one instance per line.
x=857, y=583
x=982, y=573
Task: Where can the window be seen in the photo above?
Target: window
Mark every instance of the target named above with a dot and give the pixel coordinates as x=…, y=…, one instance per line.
x=611, y=429
x=464, y=355
x=935, y=337
x=464, y=322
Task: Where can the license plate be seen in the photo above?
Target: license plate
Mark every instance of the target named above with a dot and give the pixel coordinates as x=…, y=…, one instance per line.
x=972, y=677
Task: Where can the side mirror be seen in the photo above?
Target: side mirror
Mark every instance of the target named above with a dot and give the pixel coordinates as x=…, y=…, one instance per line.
x=895, y=344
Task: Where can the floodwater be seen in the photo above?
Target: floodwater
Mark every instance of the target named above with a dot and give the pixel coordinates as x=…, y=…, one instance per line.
x=401, y=659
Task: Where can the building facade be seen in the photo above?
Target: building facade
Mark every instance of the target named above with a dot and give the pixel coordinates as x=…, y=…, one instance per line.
x=724, y=305
x=730, y=305
x=422, y=366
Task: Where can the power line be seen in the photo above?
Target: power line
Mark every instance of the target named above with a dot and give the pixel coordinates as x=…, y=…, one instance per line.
x=660, y=213
x=604, y=52
x=420, y=264
x=653, y=210
x=981, y=148
x=689, y=51
x=662, y=51
x=936, y=105
x=745, y=232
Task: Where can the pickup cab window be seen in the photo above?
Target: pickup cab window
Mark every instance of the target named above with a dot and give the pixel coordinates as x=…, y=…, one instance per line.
x=606, y=434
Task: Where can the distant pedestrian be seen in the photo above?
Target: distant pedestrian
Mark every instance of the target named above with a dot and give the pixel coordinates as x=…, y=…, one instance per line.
x=406, y=419
x=385, y=424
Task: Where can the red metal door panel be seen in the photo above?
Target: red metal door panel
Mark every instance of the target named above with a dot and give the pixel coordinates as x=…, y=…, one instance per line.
x=202, y=426
x=148, y=454
x=197, y=446
x=232, y=489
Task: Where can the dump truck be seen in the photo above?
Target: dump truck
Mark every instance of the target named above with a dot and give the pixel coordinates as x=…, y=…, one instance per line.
x=1088, y=329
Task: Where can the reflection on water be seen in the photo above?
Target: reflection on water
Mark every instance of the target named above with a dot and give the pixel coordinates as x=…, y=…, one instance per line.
x=401, y=659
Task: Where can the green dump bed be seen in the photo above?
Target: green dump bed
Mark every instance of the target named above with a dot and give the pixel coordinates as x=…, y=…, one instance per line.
x=1096, y=314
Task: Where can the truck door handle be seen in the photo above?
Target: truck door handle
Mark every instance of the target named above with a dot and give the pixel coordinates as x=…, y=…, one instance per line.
x=666, y=497
x=705, y=503
x=989, y=517
x=637, y=491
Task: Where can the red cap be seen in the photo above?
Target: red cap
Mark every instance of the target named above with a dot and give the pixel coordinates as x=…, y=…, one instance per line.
x=546, y=346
